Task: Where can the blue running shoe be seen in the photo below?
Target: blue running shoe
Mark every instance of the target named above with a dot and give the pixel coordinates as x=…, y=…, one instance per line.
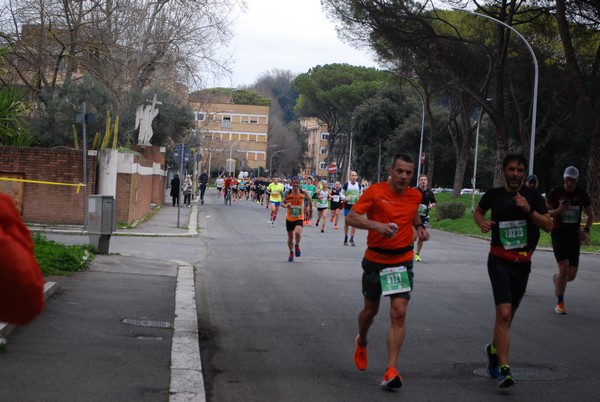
x=291, y=257
x=505, y=380
x=298, y=253
x=493, y=368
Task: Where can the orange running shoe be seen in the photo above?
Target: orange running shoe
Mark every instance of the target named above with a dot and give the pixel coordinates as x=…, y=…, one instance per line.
x=360, y=356
x=560, y=308
x=391, y=379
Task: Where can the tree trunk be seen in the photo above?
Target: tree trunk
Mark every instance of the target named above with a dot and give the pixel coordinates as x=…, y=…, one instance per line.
x=587, y=109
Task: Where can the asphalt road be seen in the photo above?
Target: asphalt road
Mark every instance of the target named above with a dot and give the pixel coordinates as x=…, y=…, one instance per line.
x=278, y=331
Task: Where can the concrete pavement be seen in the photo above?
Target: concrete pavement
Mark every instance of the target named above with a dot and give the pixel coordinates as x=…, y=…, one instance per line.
x=125, y=330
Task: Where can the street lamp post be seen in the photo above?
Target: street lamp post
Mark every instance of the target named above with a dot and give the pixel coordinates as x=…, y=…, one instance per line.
x=535, y=84
x=475, y=161
x=231, y=154
x=422, y=121
x=271, y=162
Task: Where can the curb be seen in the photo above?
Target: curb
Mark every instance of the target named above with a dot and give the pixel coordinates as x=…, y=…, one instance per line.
x=187, y=381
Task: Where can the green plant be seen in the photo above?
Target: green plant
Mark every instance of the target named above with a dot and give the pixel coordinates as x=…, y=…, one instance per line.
x=466, y=225
x=450, y=210
x=58, y=259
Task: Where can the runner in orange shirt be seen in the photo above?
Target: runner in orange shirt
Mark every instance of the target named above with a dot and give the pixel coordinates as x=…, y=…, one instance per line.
x=293, y=200
x=391, y=210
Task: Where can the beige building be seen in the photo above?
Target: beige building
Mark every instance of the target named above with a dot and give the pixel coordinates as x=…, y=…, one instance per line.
x=233, y=137
x=316, y=154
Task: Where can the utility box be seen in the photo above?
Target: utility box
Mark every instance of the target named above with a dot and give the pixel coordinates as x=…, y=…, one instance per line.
x=102, y=221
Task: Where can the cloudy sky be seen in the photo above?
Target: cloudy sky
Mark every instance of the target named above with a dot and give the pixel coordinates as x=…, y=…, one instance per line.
x=290, y=35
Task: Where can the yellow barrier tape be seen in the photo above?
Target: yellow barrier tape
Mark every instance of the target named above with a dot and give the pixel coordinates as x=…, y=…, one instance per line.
x=78, y=185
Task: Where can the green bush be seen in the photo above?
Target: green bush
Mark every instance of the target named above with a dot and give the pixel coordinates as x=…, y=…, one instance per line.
x=58, y=259
x=450, y=210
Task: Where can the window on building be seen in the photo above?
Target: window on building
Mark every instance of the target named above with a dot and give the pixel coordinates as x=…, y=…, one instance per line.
x=244, y=119
x=200, y=116
x=322, y=165
x=226, y=122
x=323, y=150
x=253, y=120
x=324, y=136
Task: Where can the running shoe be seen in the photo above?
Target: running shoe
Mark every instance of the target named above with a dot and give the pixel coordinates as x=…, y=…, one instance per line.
x=272, y=224
x=560, y=308
x=308, y=223
x=291, y=257
x=345, y=240
x=360, y=355
x=417, y=257
x=335, y=227
x=352, y=241
x=270, y=220
x=317, y=224
x=298, y=253
x=391, y=379
x=505, y=379
x=322, y=230
x=493, y=364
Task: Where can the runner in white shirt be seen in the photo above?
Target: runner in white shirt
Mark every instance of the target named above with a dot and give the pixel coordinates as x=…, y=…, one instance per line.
x=322, y=205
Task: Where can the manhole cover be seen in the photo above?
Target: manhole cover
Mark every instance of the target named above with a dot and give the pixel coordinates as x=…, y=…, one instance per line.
x=147, y=323
x=530, y=373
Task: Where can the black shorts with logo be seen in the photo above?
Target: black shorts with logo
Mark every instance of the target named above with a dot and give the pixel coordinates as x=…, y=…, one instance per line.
x=371, y=285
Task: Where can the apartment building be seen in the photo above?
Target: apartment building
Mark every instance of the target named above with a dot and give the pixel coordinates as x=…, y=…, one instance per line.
x=316, y=154
x=233, y=136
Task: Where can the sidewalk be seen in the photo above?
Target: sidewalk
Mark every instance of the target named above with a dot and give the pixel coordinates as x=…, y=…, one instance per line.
x=125, y=330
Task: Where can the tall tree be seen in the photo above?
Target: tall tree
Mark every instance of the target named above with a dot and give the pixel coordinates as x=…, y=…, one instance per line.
x=125, y=46
x=331, y=93
x=585, y=78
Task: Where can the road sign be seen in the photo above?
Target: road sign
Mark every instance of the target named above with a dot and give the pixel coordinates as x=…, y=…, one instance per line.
x=332, y=168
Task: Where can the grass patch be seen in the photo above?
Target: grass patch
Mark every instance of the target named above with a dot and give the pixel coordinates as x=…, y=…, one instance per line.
x=466, y=224
x=58, y=259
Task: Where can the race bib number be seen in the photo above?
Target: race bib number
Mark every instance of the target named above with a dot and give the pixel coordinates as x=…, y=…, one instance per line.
x=423, y=209
x=571, y=215
x=513, y=234
x=394, y=280
x=296, y=212
x=336, y=198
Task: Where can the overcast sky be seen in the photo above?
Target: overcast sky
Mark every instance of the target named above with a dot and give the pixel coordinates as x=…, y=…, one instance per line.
x=290, y=35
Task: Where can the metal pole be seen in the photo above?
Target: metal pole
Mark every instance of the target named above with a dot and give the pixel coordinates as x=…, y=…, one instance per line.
x=271, y=162
x=182, y=150
x=349, y=156
x=422, y=122
x=379, y=163
x=535, y=86
x=475, y=162
x=85, y=202
x=231, y=153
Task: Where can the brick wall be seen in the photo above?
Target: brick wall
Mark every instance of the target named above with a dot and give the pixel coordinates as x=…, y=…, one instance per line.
x=47, y=203
x=140, y=182
x=139, y=186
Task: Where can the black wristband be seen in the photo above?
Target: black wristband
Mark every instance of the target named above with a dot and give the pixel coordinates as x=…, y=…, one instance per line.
x=420, y=224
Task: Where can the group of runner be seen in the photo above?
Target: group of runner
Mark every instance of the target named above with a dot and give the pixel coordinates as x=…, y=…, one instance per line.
x=396, y=215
